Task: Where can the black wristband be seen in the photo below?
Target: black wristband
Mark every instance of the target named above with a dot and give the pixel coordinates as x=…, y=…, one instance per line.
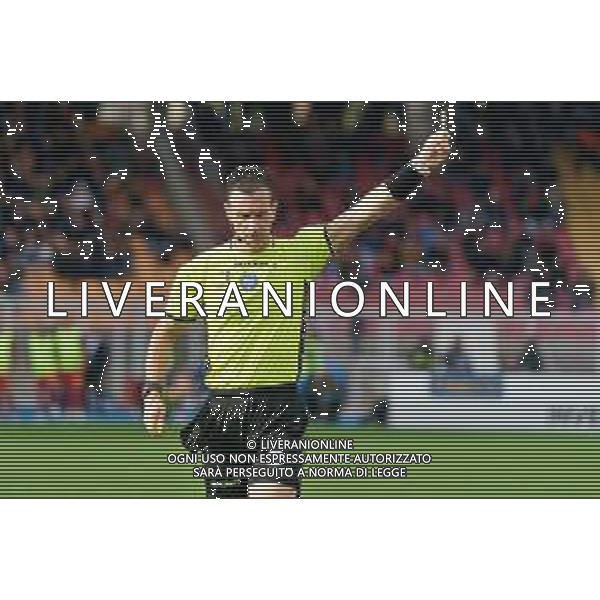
x=152, y=386
x=404, y=182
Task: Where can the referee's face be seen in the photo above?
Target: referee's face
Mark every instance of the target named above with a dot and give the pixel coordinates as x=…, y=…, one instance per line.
x=251, y=216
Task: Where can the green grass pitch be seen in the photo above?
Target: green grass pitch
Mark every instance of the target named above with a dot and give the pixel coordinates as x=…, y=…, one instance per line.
x=91, y=460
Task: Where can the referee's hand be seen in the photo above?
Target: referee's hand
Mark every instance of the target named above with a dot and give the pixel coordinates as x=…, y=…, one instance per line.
x=434, y=153
x=155, y=412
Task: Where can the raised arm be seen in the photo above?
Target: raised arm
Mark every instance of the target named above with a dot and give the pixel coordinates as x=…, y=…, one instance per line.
x=377, y=203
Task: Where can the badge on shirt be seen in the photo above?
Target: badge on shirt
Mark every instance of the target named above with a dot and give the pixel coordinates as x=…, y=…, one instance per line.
x=249, y=274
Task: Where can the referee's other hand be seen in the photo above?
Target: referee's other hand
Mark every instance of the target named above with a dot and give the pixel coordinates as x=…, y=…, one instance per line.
x=155, y=412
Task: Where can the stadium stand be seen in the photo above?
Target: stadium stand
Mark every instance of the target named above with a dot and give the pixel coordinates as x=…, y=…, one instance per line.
x=82, y=201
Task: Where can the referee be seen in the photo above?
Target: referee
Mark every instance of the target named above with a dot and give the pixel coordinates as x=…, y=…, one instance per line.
x=254, y=361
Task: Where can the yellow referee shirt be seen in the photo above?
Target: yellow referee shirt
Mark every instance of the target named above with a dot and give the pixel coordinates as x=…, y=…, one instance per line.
x=251, y=350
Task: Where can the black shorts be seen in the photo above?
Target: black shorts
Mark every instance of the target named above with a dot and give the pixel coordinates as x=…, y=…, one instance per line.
x=239, y=422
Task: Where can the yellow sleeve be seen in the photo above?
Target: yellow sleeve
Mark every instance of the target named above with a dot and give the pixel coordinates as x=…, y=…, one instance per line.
x=313, y=245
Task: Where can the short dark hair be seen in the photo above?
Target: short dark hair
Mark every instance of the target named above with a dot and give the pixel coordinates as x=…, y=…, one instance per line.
x=248, y=178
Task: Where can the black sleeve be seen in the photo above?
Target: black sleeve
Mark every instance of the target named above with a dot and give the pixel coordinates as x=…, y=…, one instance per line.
x=404, y=182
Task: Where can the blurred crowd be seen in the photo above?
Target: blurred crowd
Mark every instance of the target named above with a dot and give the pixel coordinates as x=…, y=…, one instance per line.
x=75, y=194
x=79, y=188
x=115, y=191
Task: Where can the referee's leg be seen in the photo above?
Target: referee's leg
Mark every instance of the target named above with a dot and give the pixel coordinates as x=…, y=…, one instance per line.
x=278, y=413
x=218, y=429
x=272, y=490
